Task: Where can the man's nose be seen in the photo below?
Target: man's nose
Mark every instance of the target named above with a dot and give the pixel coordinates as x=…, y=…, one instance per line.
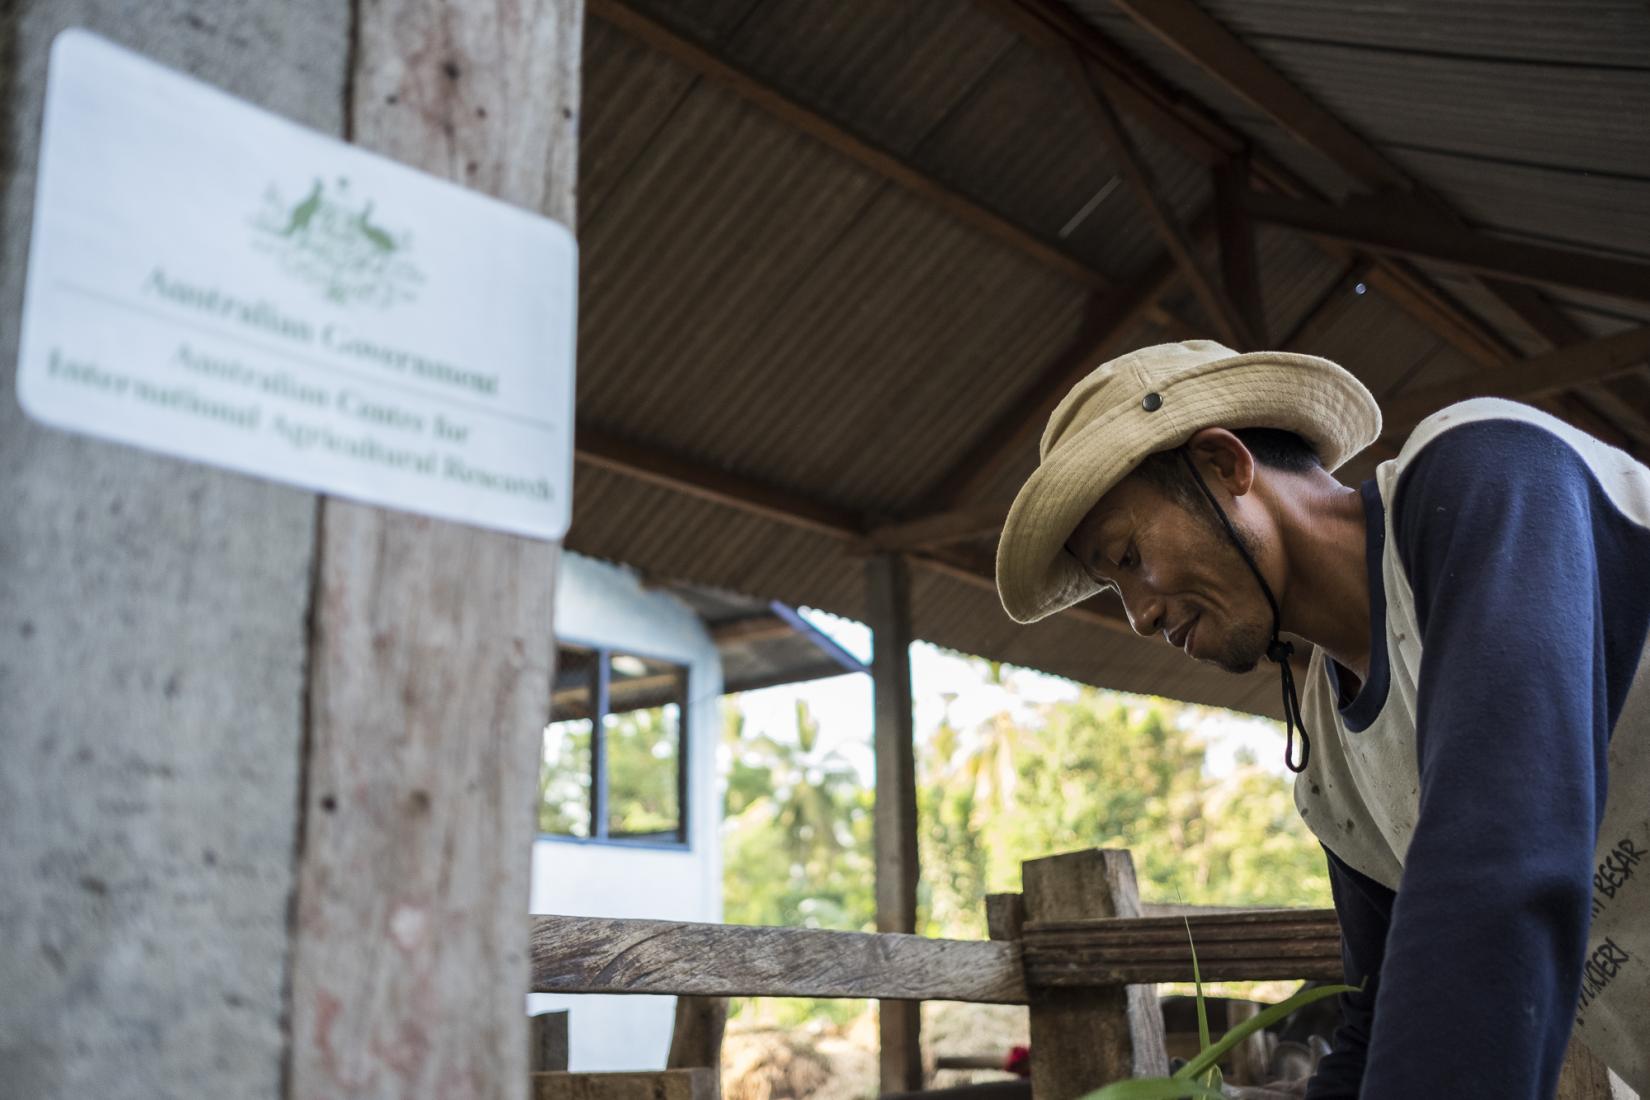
x=1145, y=612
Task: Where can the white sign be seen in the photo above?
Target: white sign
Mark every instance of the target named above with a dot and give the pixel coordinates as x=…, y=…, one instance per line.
x=214, y=282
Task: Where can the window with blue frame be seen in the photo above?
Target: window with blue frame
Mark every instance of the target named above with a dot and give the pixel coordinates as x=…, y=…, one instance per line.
x=614, y=751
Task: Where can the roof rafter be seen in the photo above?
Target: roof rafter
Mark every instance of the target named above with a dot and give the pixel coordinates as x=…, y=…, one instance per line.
x=1399, y=229
x=888, y=165
x=605, y=451
x=1216, y=305
x=1577, y=364
x=1203, y=40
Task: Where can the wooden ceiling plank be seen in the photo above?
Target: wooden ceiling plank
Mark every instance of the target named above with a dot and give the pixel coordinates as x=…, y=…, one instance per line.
x=1411, y=232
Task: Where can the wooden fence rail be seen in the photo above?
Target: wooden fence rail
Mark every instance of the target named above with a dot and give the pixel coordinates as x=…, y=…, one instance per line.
x=610, y=955
x=607, y=955
x=1259, y=945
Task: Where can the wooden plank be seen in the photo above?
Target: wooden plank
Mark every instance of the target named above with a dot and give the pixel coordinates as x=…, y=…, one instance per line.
x=152, y=668
x=754, y=628
x=696, y=1037
x=670, y=1084
x=1576, y=365
x=431, y=651
x=1216, y=306
x=547, y=1042
x=1584, y=1076
x=1239, y=262
x=615, y=955
x=1202, y=40
x=1415, y=233
x=1100, y=1035
x=605, y=451
x=1258, y=944
x=1005, y=916
x=888, y=614
x=938, y=529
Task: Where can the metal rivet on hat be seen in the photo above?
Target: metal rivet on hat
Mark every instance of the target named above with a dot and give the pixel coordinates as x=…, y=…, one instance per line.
x=1152, y=402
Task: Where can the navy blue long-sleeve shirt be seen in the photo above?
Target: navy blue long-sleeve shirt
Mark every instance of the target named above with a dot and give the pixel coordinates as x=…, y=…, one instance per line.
x=1531, y=592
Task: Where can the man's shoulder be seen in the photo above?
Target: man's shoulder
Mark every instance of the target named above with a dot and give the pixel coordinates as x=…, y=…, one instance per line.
x=1490, y=425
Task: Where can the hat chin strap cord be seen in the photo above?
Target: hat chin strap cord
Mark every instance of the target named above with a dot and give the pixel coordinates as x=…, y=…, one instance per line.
x=1278, y=650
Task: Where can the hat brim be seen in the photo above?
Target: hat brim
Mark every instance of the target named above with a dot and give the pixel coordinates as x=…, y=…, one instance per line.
x=1312, y=397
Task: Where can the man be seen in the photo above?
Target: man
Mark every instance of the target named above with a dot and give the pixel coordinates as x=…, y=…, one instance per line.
x=1472, y=733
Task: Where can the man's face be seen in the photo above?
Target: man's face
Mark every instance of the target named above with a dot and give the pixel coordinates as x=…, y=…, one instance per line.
x=1177, y=572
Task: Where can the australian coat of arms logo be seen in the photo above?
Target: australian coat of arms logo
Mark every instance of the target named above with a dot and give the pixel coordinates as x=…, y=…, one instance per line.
x=331, y=240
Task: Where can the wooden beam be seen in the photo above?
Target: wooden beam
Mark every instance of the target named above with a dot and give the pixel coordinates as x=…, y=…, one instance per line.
x=1239, y=261
x=1251, y=946
x=889, y=166
x=888, y=614
x=696, y=1037
x=1576, y=365
x=1413, y=233
x=1098, y=1035
x=1050, y=25
x=547, y=1042
x=1321, y=316
x=1396, y=280
x=604, y=451
x=1005, y=916
x=754, y=628
x=1202, y=40
x=1216, y=306
x=938, y=529
x=670, y=1084
x=431, y=641
x=616, y=955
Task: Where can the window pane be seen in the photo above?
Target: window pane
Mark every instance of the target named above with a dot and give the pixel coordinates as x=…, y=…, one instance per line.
x=565, y=771
x=643, y=736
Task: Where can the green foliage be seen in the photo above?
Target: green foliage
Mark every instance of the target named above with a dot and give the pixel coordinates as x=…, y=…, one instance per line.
x=641, y=771
x=1098, y=770
x=796, y=844
x=564, y=779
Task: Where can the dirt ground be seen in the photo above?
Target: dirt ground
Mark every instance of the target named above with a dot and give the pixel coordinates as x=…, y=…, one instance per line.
x=828, y=1062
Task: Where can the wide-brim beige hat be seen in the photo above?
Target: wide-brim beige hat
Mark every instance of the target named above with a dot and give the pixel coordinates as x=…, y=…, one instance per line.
x=1153, y=400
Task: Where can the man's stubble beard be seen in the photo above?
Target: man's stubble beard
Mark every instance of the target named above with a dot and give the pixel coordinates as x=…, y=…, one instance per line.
x=1246, y=643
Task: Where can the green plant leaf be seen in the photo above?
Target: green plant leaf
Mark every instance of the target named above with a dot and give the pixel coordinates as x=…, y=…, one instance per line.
x=1155, y=1088
x=1265, y=1018
x=1212, y=1077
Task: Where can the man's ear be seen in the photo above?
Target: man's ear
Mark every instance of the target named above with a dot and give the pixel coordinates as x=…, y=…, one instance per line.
x=1222, y=459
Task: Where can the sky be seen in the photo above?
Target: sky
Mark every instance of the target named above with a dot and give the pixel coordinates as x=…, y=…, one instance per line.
x=942, y=678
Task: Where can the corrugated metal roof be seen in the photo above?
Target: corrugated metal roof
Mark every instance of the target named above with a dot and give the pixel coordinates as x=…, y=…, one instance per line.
x=1587, y=32
x=761, y=303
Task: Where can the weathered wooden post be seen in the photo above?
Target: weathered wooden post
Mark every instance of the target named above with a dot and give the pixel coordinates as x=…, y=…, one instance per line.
x=1084, y=1038
x=888, y=612
x=269, y=757
x=696, y=1037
